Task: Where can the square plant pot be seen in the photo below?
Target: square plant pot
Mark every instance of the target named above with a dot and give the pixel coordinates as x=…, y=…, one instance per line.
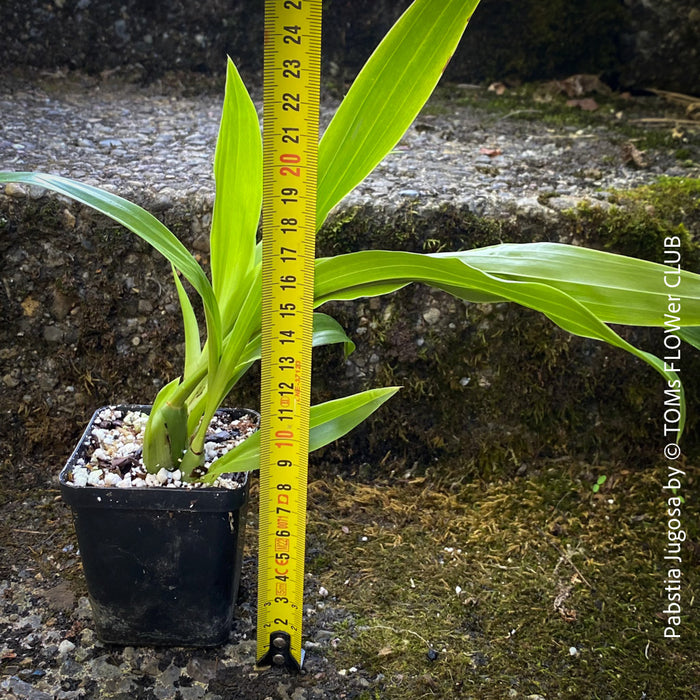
x=162, y=565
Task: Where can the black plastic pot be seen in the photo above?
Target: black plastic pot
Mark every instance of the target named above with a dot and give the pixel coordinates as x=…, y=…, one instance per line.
x=162, y=565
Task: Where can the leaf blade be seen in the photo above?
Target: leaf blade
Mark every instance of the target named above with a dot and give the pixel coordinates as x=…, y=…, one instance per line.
x=129, y=215
x=373, y=270
x=328, y=422
x=193, y=342
x=618, y=289
x=387, y=95
x=238, y=177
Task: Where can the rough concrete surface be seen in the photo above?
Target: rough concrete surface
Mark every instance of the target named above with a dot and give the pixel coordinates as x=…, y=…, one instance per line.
x=470, y=172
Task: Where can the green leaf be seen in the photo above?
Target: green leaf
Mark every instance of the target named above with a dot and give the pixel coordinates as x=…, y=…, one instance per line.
x=387, y=95
x=373, y=271
x=220, y=381
x=618, y=283
x=691, y=336
x=616, y=288
x=137, y=220
x=244, y=458
x=193, y=343
x=328, y=422
x=327, y=331
x=333, y=419
x=238, y=175
x=144, y=225
x=156, y=443
x=246, y=326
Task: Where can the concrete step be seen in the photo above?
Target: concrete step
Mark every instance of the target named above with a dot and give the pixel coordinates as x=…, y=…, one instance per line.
x=91, y=316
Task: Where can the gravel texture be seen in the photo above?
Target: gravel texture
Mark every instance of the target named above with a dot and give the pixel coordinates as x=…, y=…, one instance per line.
x=49, y=650
x=114, y=456
x=158, y=147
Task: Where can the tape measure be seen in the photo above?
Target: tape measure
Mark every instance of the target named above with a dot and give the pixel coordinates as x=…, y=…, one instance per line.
x=290, y=148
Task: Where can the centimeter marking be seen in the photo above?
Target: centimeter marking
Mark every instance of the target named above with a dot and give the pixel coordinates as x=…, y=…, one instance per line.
x=290, y=148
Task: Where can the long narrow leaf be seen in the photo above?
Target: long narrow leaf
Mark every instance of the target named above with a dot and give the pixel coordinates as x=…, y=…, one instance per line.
x=374, y=270
x=246, y=326
x=616, y=288
x=193, y=343
x=221, y=379
x=327, y=331
x=691, y=336
x=238, y=175
x=616, y=284
x=387, y=95
x=146, y=226
x=333, y=419
x=328, y=421
x=133, y=217
x=156, y=445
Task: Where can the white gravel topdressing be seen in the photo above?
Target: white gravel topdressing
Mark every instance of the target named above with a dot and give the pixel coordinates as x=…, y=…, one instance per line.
x=115, y=460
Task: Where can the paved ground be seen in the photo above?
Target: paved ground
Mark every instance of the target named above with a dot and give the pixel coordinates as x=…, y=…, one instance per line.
x=470, y=148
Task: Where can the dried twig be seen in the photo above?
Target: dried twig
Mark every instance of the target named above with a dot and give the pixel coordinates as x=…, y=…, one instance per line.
x=565, y=557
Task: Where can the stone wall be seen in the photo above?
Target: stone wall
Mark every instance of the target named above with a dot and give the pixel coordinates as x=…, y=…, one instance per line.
x=632, y=44
x=89, y=313
x=90, y=317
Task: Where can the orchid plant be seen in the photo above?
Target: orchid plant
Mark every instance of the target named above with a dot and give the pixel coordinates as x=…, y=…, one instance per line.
x=583, y=291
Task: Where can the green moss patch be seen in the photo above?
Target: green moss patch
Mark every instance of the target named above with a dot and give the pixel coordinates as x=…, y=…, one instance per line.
x=511, y=588
x=641, y=219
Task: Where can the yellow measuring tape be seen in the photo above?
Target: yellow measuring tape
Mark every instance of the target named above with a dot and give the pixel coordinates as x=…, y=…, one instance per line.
x=290, y=147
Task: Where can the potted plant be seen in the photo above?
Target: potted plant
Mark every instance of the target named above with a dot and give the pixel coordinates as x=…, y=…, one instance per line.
x=162, y=561
x=581, y=290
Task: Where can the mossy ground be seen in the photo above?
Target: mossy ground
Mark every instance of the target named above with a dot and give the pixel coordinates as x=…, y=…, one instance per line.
x=629, y=117
x=642, y=219
x=517, y=586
